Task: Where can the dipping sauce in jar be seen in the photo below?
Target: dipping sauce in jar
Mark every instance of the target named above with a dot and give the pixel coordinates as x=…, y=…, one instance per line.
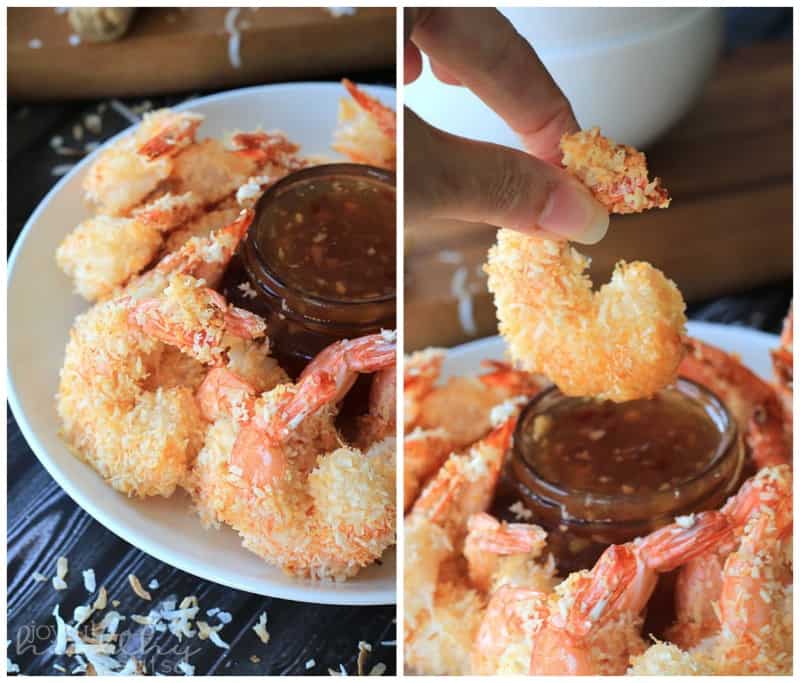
x=636, y=447
x=331, y=237
x=318, y=262
x=595, y=473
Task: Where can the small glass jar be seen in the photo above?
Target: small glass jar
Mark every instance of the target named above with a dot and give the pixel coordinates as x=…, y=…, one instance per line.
x=300, y=322
x=582, y=521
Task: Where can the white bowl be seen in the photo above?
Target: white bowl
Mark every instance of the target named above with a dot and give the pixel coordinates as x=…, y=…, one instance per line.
x=633, y=72
x=41, y=308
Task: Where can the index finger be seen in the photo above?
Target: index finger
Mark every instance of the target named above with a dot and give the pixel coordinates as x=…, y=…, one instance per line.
x=481, y=48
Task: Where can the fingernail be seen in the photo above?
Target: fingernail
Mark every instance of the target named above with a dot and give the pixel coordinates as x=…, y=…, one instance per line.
x=572, y=212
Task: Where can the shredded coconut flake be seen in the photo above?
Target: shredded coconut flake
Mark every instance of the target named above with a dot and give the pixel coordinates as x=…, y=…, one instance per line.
x=35, y=43
x=186, y=669
x=520, y=511
x=137, y=587
x=460, y=291
x=260, y=628
x=685, y=521
x=247, y=290
x=38, y=577
x=125, y=112
x=234, y=37
x=74, y=40
x=89, y=582
x=450, y=256
x=310, y=664
x=61, y=169
x=154, y=584
x=338, y=12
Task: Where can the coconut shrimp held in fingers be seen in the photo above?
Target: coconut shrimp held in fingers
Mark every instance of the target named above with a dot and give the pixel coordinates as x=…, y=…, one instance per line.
x=616, y=174
x=621, y=342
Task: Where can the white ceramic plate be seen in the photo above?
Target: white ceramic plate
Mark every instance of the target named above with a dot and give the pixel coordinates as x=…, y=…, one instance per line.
x=752, y=346
x=41, y=308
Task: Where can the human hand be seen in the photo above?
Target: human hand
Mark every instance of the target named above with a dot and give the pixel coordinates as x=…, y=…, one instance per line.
x=448, y=176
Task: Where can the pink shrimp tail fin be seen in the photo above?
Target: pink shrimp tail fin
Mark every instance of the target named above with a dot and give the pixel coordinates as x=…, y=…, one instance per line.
x=313, y=392
x=676, y=544
x=610, y=577
x=172, y=138
x=382, y=115
x=500, y=437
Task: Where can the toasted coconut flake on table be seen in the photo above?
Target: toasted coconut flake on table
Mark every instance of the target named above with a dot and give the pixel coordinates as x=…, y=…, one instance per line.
x=124, y=111
x=260, y=628
x=11, y=667
x=89, y=582
x=137, y=587
x=93, y=123
x=62, y=567
x=102, y=600
x=61, y=169
x=204, y=631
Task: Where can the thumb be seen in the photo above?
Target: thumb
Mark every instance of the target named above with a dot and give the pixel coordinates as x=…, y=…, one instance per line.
x=447, y=176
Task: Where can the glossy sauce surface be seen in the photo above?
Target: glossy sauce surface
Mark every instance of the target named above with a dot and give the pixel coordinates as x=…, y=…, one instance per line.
x=332, y=238
x=630, y=448
x=318, y=262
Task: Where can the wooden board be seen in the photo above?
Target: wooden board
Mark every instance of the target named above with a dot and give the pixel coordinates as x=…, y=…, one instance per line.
x=171, y=50
x=728, y=165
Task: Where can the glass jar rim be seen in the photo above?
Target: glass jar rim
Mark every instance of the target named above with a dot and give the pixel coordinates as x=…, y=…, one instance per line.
x=729, y=434
x=333, y=170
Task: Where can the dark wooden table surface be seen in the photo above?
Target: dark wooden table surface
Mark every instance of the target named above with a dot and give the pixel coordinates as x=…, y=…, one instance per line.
x=45, y=523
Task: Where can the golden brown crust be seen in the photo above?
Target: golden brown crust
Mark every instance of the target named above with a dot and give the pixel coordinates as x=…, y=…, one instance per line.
x=616, y=174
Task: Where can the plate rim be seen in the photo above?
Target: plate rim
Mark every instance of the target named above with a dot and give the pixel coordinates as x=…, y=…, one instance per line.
x=306, y=591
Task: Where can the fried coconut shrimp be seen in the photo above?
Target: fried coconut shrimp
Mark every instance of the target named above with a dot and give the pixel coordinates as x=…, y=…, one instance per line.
x=733, y=602
x=757, y=406
x=455, y=554
x=274, y=467
x=126, y=399
x=367, y=129
x=622, y=342
x=616, y=174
